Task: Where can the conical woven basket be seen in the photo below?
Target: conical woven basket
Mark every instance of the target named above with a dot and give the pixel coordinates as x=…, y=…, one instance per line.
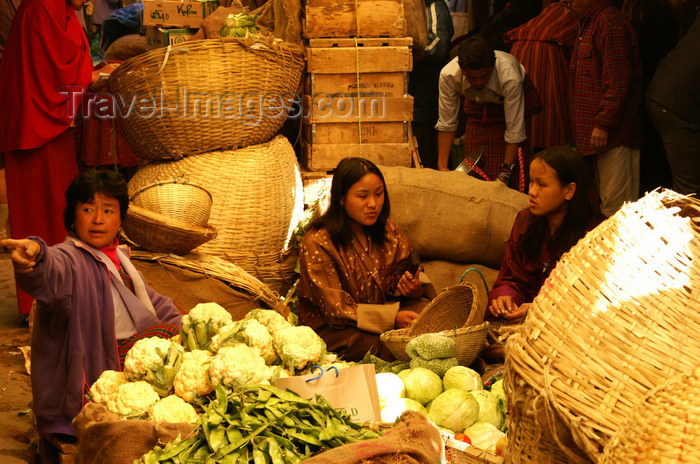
x=206, y=95
x=663, y=428
x=619, y=314
x=256, y=194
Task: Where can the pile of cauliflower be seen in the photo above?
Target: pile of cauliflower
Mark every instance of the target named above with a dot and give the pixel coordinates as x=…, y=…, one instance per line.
x=163, y=380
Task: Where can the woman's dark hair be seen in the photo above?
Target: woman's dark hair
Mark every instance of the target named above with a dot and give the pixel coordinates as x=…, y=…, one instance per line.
x=87, y=184
x=475, y=53
x=569, y=166
x=348, y=172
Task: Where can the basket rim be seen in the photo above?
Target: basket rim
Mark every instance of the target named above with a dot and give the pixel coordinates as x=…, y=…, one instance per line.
x=474, y=311
x=138, y=213
x=175, y=181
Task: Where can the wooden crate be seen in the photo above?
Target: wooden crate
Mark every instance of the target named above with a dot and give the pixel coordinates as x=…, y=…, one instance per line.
x=350, y=132
x=325, y=156
x=354, y=18
x=344, y=109
x=382, y=84
x=373, y=55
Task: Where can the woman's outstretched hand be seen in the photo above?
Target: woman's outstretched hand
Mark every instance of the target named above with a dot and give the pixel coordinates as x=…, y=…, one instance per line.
x=24, y=253
x=404, y=319
x=503, y=306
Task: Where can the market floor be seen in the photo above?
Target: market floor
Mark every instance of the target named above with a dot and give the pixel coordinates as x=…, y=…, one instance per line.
x=17, y=433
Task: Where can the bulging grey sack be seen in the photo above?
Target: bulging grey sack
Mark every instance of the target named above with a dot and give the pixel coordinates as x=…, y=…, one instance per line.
x=453, y=216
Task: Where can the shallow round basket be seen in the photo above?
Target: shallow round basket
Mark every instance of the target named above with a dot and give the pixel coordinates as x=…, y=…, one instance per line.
x=177, y=199
x=663, y=427
x=454, y=313
x=206, y=95
x=163, y=234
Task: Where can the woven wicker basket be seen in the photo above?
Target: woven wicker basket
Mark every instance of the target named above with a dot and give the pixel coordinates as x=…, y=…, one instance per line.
x=471, y=455
x=160, y=233
x=619, y=313
x=664, y=427
x=257, y=198
x=205, y=95
x=453, y=313
x=176, y=198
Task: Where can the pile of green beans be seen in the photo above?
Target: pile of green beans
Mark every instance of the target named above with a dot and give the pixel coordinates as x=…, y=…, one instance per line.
x=261, y=424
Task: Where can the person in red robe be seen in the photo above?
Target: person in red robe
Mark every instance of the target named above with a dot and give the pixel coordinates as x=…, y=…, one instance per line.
x=44, y=70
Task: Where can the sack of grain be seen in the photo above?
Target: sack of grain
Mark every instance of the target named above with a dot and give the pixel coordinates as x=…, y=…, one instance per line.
x=452, y=216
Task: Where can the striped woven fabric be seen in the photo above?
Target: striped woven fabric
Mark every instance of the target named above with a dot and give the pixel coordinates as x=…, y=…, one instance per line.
x=543, y=46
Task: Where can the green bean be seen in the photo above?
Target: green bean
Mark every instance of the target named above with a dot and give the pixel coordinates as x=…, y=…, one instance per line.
x=258, y=456
x=309, y=439
x=217, y=438
x=275, y=451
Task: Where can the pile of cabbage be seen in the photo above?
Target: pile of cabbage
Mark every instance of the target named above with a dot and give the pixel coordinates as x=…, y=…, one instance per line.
x=456, y=403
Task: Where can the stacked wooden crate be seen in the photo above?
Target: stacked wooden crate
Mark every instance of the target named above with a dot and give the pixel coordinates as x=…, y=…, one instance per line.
x=356, y=100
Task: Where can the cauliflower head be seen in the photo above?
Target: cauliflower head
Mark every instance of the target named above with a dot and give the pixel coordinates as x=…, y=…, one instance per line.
x=299, y=346
x=238, y=365
x=201, y=324
x=193, y=376
x=269, y=318
x=172, y=409
x=252, y=333
x=155, y=360
x=105, y=387
x=133, y=399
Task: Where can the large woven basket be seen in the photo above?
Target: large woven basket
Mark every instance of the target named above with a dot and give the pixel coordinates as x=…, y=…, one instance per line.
x=205, y=95
x=453, y=313
x=619, y=314
x=177, y=198
x=160, y=233
x=257, y=198
x=664, y=427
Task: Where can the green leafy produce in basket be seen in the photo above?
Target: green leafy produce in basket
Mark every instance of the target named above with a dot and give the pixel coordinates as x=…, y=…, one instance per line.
x=239, y=25
x=431, y=346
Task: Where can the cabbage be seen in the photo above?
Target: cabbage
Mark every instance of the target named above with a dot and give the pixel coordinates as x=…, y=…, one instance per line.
x=488, y=408
x=484, y=436
x=454, y=409
x=396, y=406
x=422, y=385
x=404, y=373
x=462, y=378
x=497, y=390
x=389, y=387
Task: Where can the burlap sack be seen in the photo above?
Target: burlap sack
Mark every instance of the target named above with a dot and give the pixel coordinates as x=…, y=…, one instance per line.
x=106, y=438
x=453, y=216
x=413, y=440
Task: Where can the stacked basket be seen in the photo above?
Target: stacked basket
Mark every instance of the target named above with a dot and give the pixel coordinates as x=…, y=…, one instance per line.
x=208, y=111
x=619, y=314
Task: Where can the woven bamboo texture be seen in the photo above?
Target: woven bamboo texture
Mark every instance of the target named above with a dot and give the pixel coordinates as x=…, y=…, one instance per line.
x=454, y=313
x=161, y=233
x=256, y=195
x=619, y=314
x=664, y=427
x=176, y=198
x=206, y=95
x=211, y=266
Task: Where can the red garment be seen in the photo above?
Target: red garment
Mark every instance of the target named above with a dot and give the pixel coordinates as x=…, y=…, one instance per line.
x=47, y=53
x=486, y=123
x=543, y=45
x=519, y=278
x=606, y=80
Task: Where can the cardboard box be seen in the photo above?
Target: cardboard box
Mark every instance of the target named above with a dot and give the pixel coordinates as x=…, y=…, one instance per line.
x=184, y=14
x=157, y=37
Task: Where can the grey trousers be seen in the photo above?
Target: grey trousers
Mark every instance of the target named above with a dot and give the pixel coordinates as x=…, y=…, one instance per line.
x=682, y=142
